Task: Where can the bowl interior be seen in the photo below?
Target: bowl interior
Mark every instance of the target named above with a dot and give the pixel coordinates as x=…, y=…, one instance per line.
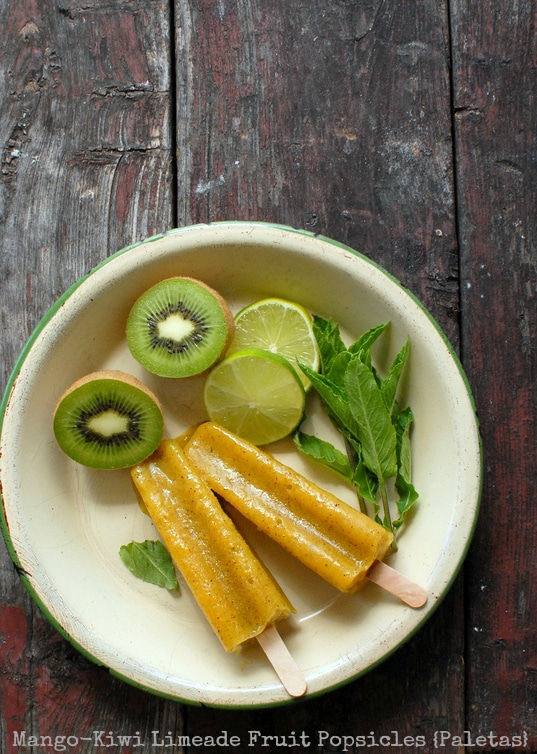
x=65, y=524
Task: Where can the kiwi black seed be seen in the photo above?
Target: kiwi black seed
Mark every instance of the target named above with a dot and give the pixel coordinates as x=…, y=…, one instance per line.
x=108, y=420
x=179, y=328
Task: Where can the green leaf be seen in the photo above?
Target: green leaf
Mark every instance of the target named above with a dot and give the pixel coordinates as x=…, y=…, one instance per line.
x=376, y=432
x=333, y=398
x=328, y=339
x=362, y=347
x=323, y=452
x=338, y=367
x=391, y=381
x=403, y=424
x=363, y=479
x=151, y=562
x=403, y=481
x=366, y=340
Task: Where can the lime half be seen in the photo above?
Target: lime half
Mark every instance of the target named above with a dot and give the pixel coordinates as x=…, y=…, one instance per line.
x=281, y=327
x=255, y=394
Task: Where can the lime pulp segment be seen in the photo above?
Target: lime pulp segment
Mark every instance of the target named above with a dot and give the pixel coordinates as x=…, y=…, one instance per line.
x=281, y=327
x=255, y=394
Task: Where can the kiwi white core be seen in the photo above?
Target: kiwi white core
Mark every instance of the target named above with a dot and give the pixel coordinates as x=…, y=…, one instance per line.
x=109, y=423
x=175, y=327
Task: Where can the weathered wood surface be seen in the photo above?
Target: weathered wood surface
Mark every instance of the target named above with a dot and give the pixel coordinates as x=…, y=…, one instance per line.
x=404, y=130
x=495, y=81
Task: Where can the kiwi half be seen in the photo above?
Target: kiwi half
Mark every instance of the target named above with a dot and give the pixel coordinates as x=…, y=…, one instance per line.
x=108, y=420
x=180, y=327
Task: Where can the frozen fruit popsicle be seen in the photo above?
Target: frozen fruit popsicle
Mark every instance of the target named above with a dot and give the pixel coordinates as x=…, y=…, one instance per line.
x=234, y=590
x=335, y=540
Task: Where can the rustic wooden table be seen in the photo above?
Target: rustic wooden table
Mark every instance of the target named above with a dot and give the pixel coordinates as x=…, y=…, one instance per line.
x=405, y=130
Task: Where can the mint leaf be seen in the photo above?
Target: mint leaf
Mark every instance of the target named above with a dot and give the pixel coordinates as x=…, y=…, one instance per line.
x=323, y=452
x=364, y=480
x=403, y=481
x=376, y=432
x=328, y=339
x=391, y=381
x=151, y=562
x=338, y=367
x=333, y=398
x=365, y=341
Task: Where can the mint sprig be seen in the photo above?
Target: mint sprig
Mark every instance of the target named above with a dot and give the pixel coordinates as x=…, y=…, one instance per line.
x=364, y=408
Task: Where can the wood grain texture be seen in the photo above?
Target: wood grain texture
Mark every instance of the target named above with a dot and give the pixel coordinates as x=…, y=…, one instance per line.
x=495, y=80
x=120, y=120
x=86, y=143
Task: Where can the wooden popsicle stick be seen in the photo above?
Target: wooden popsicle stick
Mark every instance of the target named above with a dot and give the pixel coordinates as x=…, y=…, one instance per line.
x=395, y=583
x=282, y=661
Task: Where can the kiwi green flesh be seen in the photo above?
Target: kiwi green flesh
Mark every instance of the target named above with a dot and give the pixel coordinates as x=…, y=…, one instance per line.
x=108, y=424
x=178, y=328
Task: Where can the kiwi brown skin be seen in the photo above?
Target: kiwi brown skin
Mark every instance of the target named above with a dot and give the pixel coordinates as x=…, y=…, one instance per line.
x=229, y=323
x=124, y=378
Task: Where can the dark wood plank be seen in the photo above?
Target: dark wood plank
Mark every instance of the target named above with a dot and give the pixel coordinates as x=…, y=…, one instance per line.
x=86, y=169
x=495, y=79
x=86, y=153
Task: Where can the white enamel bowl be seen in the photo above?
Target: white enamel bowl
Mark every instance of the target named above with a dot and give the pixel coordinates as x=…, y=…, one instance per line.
x=64, y=524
